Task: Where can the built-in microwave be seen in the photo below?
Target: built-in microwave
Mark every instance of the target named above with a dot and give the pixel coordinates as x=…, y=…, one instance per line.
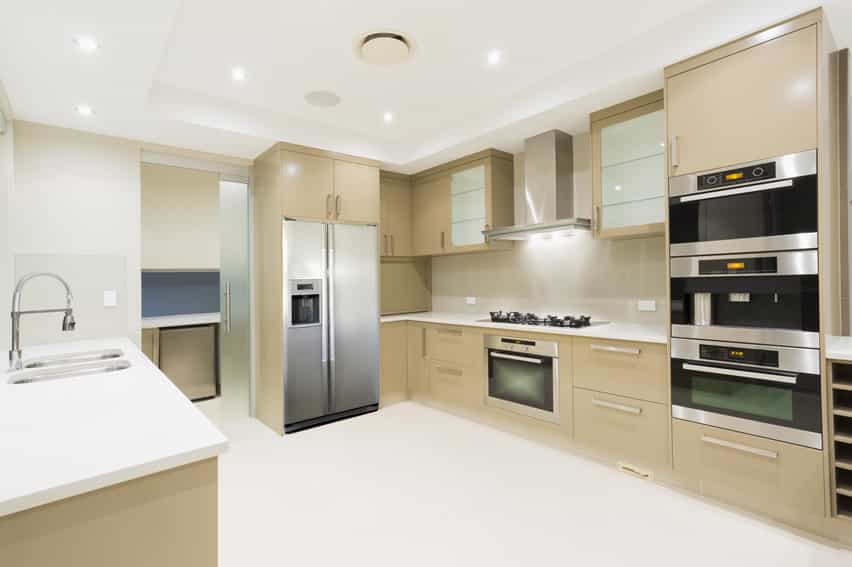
x=772, y=392
x=523, y=376
x=757, y=206
x=767, y=298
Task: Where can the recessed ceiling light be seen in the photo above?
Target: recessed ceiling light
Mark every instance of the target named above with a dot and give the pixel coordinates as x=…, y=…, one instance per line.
x=388, y=117
x=84, y=110
x=323, y=99
x=618, y=187
x=86, y=43
x=238, y=74
x=495, y=56
x=384, y=48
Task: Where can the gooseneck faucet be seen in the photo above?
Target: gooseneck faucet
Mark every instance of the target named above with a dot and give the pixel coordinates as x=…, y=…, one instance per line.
x=68, y=323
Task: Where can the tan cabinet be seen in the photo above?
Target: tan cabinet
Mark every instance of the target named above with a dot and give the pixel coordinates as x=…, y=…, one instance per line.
x=751, y=104
x=393, y=368
x=629, y=169
x=459, y=345
x=356, y=192
x=431, y=216
x=307, y=185
x=456, y=385
x=406, y=285
x=453, y=203
x=631, y=369
x=151, y=345
x=633, y=432
x=418, y=364
x=396, y=215
x=778, y=479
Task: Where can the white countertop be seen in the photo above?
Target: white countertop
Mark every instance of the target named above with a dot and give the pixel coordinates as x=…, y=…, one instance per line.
x=614, y=331
x=181, y=320
x=838, y=348
x=61, y=438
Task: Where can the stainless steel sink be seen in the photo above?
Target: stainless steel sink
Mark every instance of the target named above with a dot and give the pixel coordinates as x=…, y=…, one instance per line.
x=68, y=371
x=73, y=358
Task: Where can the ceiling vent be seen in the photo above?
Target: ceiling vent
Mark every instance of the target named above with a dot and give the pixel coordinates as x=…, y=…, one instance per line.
x=384, y=48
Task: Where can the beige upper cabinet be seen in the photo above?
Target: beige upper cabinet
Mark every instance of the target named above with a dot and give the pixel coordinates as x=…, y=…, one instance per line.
x=628, y=168
x=431, y=216
x=356, y=192
x=753, y=104
x=455, y=202
x=307, y=185
x=396, y=209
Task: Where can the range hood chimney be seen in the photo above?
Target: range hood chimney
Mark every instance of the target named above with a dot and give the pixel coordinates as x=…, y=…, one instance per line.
x=547, y=203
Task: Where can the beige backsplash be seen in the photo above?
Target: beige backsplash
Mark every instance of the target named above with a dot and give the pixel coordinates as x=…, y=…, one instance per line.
x=576, y=275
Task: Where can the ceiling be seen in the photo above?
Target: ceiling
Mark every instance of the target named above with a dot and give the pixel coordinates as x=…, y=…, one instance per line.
x=163, y=69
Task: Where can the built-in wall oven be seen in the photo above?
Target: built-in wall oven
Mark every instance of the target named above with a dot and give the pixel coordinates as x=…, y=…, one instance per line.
x=771, y=392
x=757, y=206
x=523, y=376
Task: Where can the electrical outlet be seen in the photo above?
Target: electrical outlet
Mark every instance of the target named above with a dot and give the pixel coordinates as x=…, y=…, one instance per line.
x=647, y=305
x=110, y=298
x=470, y=300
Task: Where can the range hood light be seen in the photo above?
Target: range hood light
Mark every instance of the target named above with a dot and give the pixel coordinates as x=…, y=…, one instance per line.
x=564, y=228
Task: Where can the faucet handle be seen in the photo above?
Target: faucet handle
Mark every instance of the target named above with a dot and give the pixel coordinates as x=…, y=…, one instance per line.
x=68, y=322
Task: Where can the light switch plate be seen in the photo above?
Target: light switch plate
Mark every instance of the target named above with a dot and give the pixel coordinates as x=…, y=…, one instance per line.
x=649, y=305
x=470, y=300
x=110, y=298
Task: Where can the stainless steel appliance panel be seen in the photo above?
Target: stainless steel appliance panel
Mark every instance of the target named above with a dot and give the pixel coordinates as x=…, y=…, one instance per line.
x=523, y=376
x=354, y=316
x=751, y=335
x=792, y=359
x=305, y=349
x=790, y=263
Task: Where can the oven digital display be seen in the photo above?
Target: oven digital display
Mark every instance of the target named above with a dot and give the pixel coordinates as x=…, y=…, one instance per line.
x=764, y=265
x=734, y=176
x=757, y=357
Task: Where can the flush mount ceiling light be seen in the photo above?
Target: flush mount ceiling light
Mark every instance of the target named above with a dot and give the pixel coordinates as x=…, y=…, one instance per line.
x=86, y=43
x=388, y=117
x=384, y=48
x=495, y=56
x=323, y=99
x=84, y=110
x=238, y=74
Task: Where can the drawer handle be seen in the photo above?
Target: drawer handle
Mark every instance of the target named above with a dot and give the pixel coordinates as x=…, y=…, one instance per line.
x=617, y=350
x=739, y=447
x=617, y=407
x=454, y=332
x=449, y=371
x=513, y=357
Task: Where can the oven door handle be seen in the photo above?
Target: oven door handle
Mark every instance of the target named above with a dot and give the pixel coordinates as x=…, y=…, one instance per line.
x=738, y=191
x=741, y=373
x=514, y=357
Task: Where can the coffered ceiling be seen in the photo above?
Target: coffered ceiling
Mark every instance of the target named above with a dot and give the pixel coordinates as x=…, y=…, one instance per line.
x=163, y=68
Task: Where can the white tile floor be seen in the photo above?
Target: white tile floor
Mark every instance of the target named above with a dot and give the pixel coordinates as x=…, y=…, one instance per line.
x=414, y=486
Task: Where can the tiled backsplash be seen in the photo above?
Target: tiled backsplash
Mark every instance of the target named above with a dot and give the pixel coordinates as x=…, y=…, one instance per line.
x=575, y=275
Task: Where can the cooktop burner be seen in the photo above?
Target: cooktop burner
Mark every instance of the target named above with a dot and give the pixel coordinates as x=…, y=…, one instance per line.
x=517, y=318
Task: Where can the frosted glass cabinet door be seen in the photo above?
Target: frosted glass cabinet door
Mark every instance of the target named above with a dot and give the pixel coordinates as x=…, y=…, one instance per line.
x=468, y=215
x=629, y=170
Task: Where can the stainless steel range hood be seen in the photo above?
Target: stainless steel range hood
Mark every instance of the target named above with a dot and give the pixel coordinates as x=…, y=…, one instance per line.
x=546, y=204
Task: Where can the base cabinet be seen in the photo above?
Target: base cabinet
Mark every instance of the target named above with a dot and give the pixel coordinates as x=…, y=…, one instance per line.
x=393, y=367
x=418, y=364
x=633, y=432
x=780, y=480
x=455, y=385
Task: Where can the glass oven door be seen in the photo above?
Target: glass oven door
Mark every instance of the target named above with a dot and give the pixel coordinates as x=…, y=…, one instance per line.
x=767, y=402
x=524, y=383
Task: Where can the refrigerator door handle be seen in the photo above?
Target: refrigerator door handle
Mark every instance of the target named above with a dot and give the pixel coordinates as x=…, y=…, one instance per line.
x=324, y=299
x=331, y=330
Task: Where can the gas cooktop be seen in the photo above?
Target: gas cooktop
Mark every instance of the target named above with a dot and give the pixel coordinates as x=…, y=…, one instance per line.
x=532, y=319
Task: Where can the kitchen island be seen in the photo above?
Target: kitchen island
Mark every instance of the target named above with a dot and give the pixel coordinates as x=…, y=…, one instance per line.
x=105, y=469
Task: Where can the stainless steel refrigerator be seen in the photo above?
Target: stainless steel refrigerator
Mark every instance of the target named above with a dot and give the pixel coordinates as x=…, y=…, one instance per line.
x=331, y=322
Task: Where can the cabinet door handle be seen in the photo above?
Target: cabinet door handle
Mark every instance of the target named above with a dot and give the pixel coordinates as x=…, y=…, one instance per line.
x=391, y=245
x=228, y=307
x=385, y=244
x=442, y=240
x=617, y=350
x=739, y=447
x=596, y=221
x=423, y=338
x=675, y=153
x=449, y=371
x=328, y=205
x=337, y=207
x=617, y=407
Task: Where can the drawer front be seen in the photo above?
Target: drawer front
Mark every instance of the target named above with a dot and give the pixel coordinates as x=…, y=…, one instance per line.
x=630, y=430
x=635, y=370
x=778, y=479
x=455, y=385
x=455, y=344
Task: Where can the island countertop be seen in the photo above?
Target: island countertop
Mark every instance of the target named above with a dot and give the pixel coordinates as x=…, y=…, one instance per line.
x=65, y=437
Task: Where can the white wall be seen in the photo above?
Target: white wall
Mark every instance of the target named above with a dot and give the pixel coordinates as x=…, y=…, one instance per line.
x=6, y=179
x=577, y=275
x=77, y=196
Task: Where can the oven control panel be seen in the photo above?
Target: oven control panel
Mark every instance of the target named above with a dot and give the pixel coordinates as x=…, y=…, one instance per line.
x=753, y=265
x=754, y=356
x=748, y=174
x=517, y=345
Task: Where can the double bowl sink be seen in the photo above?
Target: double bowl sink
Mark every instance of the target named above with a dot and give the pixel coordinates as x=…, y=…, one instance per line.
x=69, y=365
